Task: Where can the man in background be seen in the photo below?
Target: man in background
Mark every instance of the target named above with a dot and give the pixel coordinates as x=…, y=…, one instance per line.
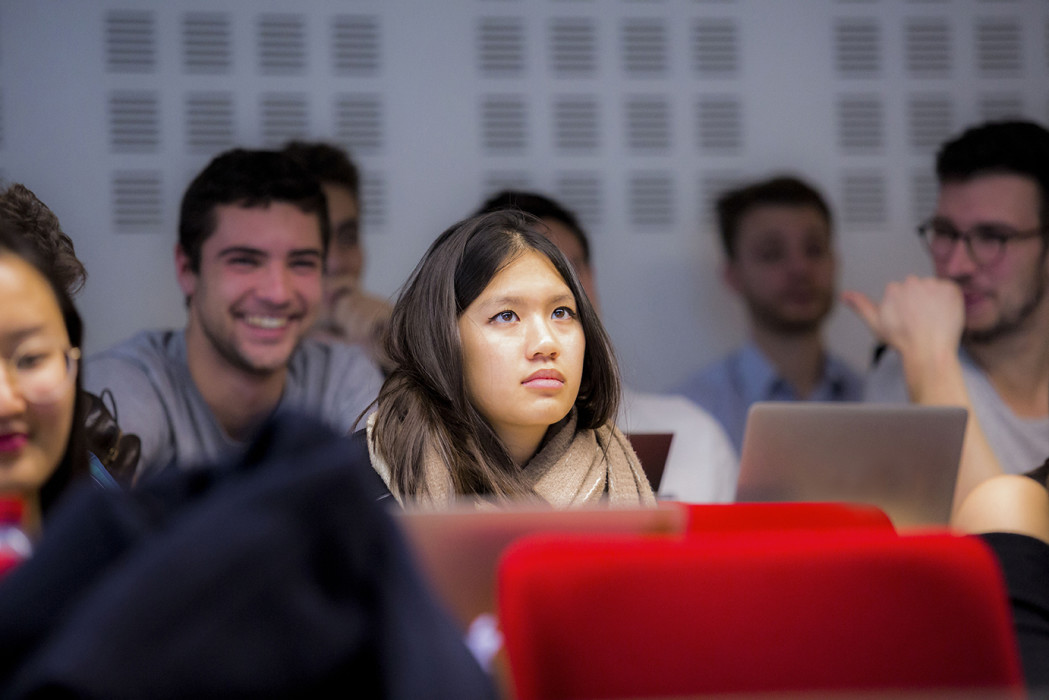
x=701, y=466
x=253, y=230
x=348, y=313
x=780, y=259
x=989, y=236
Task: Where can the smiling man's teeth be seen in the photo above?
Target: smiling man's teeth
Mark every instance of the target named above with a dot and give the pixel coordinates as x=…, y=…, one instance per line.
x=267, y=321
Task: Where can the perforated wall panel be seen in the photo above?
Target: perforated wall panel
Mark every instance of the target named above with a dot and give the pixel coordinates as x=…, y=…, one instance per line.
x=635, y=113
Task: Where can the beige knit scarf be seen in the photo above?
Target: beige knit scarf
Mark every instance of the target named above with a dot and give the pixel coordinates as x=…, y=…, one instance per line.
x=574, y=467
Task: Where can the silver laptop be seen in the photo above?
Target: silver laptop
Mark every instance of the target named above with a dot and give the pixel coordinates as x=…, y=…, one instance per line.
x=901, y=458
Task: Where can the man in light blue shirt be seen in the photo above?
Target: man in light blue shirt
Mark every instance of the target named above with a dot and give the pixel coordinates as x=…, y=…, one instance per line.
x=779, y=257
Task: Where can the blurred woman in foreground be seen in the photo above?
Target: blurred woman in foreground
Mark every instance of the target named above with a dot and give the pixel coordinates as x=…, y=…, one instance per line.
x=42, y=445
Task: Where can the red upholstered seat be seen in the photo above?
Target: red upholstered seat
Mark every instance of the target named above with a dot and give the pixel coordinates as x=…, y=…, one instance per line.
x=628, y=617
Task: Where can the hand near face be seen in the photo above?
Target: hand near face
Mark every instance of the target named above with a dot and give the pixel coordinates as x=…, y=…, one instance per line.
x=337, y=286
x=360, y=319
x=919, y=317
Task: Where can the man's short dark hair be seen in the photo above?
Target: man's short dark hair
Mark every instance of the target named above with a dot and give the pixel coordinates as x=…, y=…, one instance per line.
x=541, y=207
x=783, y=190
x=246, y=178
x=999, y=148
x=326, y=162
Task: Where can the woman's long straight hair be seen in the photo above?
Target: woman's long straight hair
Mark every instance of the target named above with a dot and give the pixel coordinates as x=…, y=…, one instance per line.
x=423, y=405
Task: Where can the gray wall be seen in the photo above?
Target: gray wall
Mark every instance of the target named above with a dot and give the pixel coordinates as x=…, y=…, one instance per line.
x=634, y=112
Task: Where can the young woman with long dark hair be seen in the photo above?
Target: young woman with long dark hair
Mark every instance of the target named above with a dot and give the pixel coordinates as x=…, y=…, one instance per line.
x=504, y=384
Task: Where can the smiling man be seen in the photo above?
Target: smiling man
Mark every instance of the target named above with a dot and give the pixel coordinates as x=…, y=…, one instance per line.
x=253, y=232
x=989, y=235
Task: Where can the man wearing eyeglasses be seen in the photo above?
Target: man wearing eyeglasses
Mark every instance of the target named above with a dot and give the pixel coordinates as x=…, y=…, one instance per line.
x=989, y=236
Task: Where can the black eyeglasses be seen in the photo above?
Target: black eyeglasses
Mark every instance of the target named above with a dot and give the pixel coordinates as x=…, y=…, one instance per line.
x=985, y=242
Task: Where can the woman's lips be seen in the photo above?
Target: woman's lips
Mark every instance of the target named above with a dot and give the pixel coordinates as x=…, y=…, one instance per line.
x=545, y=379
x=13, y=442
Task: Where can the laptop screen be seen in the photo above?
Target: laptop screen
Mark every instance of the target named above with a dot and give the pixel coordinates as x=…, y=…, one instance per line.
x=652, y=450
x=899, y=457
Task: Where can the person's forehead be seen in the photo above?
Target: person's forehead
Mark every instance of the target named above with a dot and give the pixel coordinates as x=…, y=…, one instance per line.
x=767, y=219
x=28, y=300
x=19, y=276
x=1004, y=197
x=278, y=225
x=525, y=275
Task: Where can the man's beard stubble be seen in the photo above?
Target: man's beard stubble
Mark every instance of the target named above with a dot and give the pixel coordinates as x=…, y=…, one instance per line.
x=1007, y=326
x=768, y=317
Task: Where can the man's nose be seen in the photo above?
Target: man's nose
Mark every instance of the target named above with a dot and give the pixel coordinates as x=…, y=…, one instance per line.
x=276, y=285
x=958, y=263
x=799, y=262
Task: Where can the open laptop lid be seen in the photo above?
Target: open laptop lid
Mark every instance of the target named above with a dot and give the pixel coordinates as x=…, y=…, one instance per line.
x=459, y=549
x=899, y=457
x=652, y=450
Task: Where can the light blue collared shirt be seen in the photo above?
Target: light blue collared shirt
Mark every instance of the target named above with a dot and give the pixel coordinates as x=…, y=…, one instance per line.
x=728, y=387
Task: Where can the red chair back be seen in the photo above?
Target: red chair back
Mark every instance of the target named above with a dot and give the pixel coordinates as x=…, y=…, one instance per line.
x=607, y=617
x=756, y=517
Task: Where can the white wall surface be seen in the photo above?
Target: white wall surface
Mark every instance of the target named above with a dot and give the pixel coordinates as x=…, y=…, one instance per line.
x=851, y=94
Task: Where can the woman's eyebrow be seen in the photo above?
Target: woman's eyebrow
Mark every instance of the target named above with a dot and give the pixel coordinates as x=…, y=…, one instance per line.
x=517, y=300
x=11, y=339
x=24, y=332
x=504, y=300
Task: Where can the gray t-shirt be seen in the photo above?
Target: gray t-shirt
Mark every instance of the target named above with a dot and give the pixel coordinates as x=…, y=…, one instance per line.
x=1020, y=444
x=157, y=399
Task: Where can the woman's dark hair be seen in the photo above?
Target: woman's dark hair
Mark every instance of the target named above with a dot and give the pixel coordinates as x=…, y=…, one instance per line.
x=28, y=217
x=74, y=462
x=541, y=207
x=424, y=403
